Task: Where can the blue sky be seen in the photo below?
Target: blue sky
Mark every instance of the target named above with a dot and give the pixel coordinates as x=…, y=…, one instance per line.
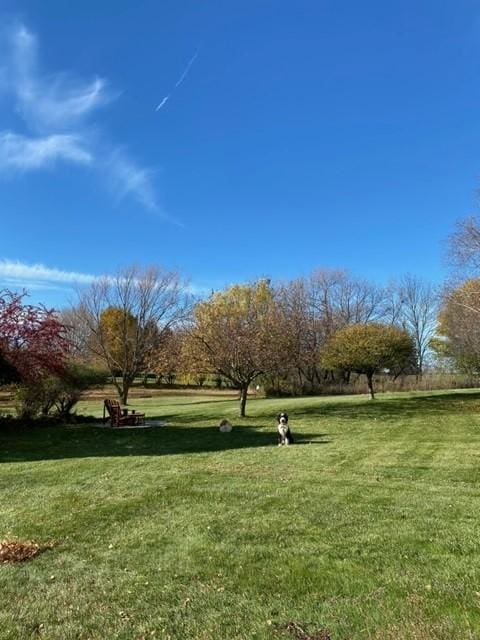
x=304, y=134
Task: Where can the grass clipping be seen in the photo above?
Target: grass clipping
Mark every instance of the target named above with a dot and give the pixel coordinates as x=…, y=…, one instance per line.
x=12, y=551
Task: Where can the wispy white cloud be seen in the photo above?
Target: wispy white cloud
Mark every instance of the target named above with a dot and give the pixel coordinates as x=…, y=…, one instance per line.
x=29, y=285
x=16, y=274
x=38, y=274
x=53, y=101
x=24, y=154
x=58, y=110
x=126, y=178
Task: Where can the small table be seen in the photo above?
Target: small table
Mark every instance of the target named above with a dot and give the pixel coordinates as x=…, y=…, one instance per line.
x=134, y=418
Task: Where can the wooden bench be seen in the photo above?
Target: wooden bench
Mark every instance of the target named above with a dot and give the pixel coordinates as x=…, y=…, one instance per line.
x=121, y=417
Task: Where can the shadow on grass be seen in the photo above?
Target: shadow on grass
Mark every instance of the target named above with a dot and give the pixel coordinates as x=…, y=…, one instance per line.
x=395, y=408
x=56, y=443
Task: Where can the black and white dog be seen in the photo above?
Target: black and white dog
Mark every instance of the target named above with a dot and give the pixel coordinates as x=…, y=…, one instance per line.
x=284, y=434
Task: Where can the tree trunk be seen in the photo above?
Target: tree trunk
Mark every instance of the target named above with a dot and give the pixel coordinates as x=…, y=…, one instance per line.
x=124, y=391
x=118, y=387
x=419, y=375
x=370, y=385
x=243, y=401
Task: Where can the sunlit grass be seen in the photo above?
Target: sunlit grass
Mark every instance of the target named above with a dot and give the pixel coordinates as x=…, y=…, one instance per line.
x=367, y=528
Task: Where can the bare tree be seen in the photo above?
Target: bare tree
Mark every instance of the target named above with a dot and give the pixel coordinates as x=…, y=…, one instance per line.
x=317, y=307
x=464, y=246
x=419, y=310
x=305, y=331
x=392, y=305
x=78, y=333
x=343, y=300
x=357, y=301
x=124, y=315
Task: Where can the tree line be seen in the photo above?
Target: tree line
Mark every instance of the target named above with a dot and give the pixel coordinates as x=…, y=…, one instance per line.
x=302, y=332
x=297, y=335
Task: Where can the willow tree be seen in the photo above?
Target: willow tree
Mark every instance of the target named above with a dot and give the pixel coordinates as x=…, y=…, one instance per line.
x=369, y=349
x=123, y=317
x=237, y=333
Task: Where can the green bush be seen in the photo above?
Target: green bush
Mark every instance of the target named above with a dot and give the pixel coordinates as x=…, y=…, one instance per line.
x=57, y=394
x=33, y=399
x=69, y=388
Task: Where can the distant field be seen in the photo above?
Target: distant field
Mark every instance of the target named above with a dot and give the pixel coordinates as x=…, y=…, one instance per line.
x=368, y=528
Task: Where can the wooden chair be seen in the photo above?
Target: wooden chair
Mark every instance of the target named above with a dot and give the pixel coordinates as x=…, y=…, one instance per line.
x=121, y=417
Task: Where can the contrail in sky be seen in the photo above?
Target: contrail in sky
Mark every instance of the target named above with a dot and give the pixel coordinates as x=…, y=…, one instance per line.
x=179, y=81
x=162, y=103
x=187, y=69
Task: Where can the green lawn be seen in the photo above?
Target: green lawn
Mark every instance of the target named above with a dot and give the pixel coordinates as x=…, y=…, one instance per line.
x=368, y=528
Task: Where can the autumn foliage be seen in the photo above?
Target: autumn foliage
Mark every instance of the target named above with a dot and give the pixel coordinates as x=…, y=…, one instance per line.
x=32, y=340
x=124, y=317
x=238, y=334
x=369, y=349
x=458, y=334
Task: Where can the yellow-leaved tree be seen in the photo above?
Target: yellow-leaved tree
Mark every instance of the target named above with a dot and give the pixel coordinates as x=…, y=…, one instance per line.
x=237, y=333
x=369, y=349
x=458, y=330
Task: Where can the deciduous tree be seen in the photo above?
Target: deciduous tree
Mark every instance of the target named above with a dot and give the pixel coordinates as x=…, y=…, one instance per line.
x=314, y=309
x=464, y=246
x=238, y=334
x=418, y=315
x=124, y=315
x=166, y=359
x=459, y=327
x=369, y=349
x=33, y=341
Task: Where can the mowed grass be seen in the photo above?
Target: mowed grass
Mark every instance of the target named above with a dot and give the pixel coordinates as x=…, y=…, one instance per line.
x=367, y=528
